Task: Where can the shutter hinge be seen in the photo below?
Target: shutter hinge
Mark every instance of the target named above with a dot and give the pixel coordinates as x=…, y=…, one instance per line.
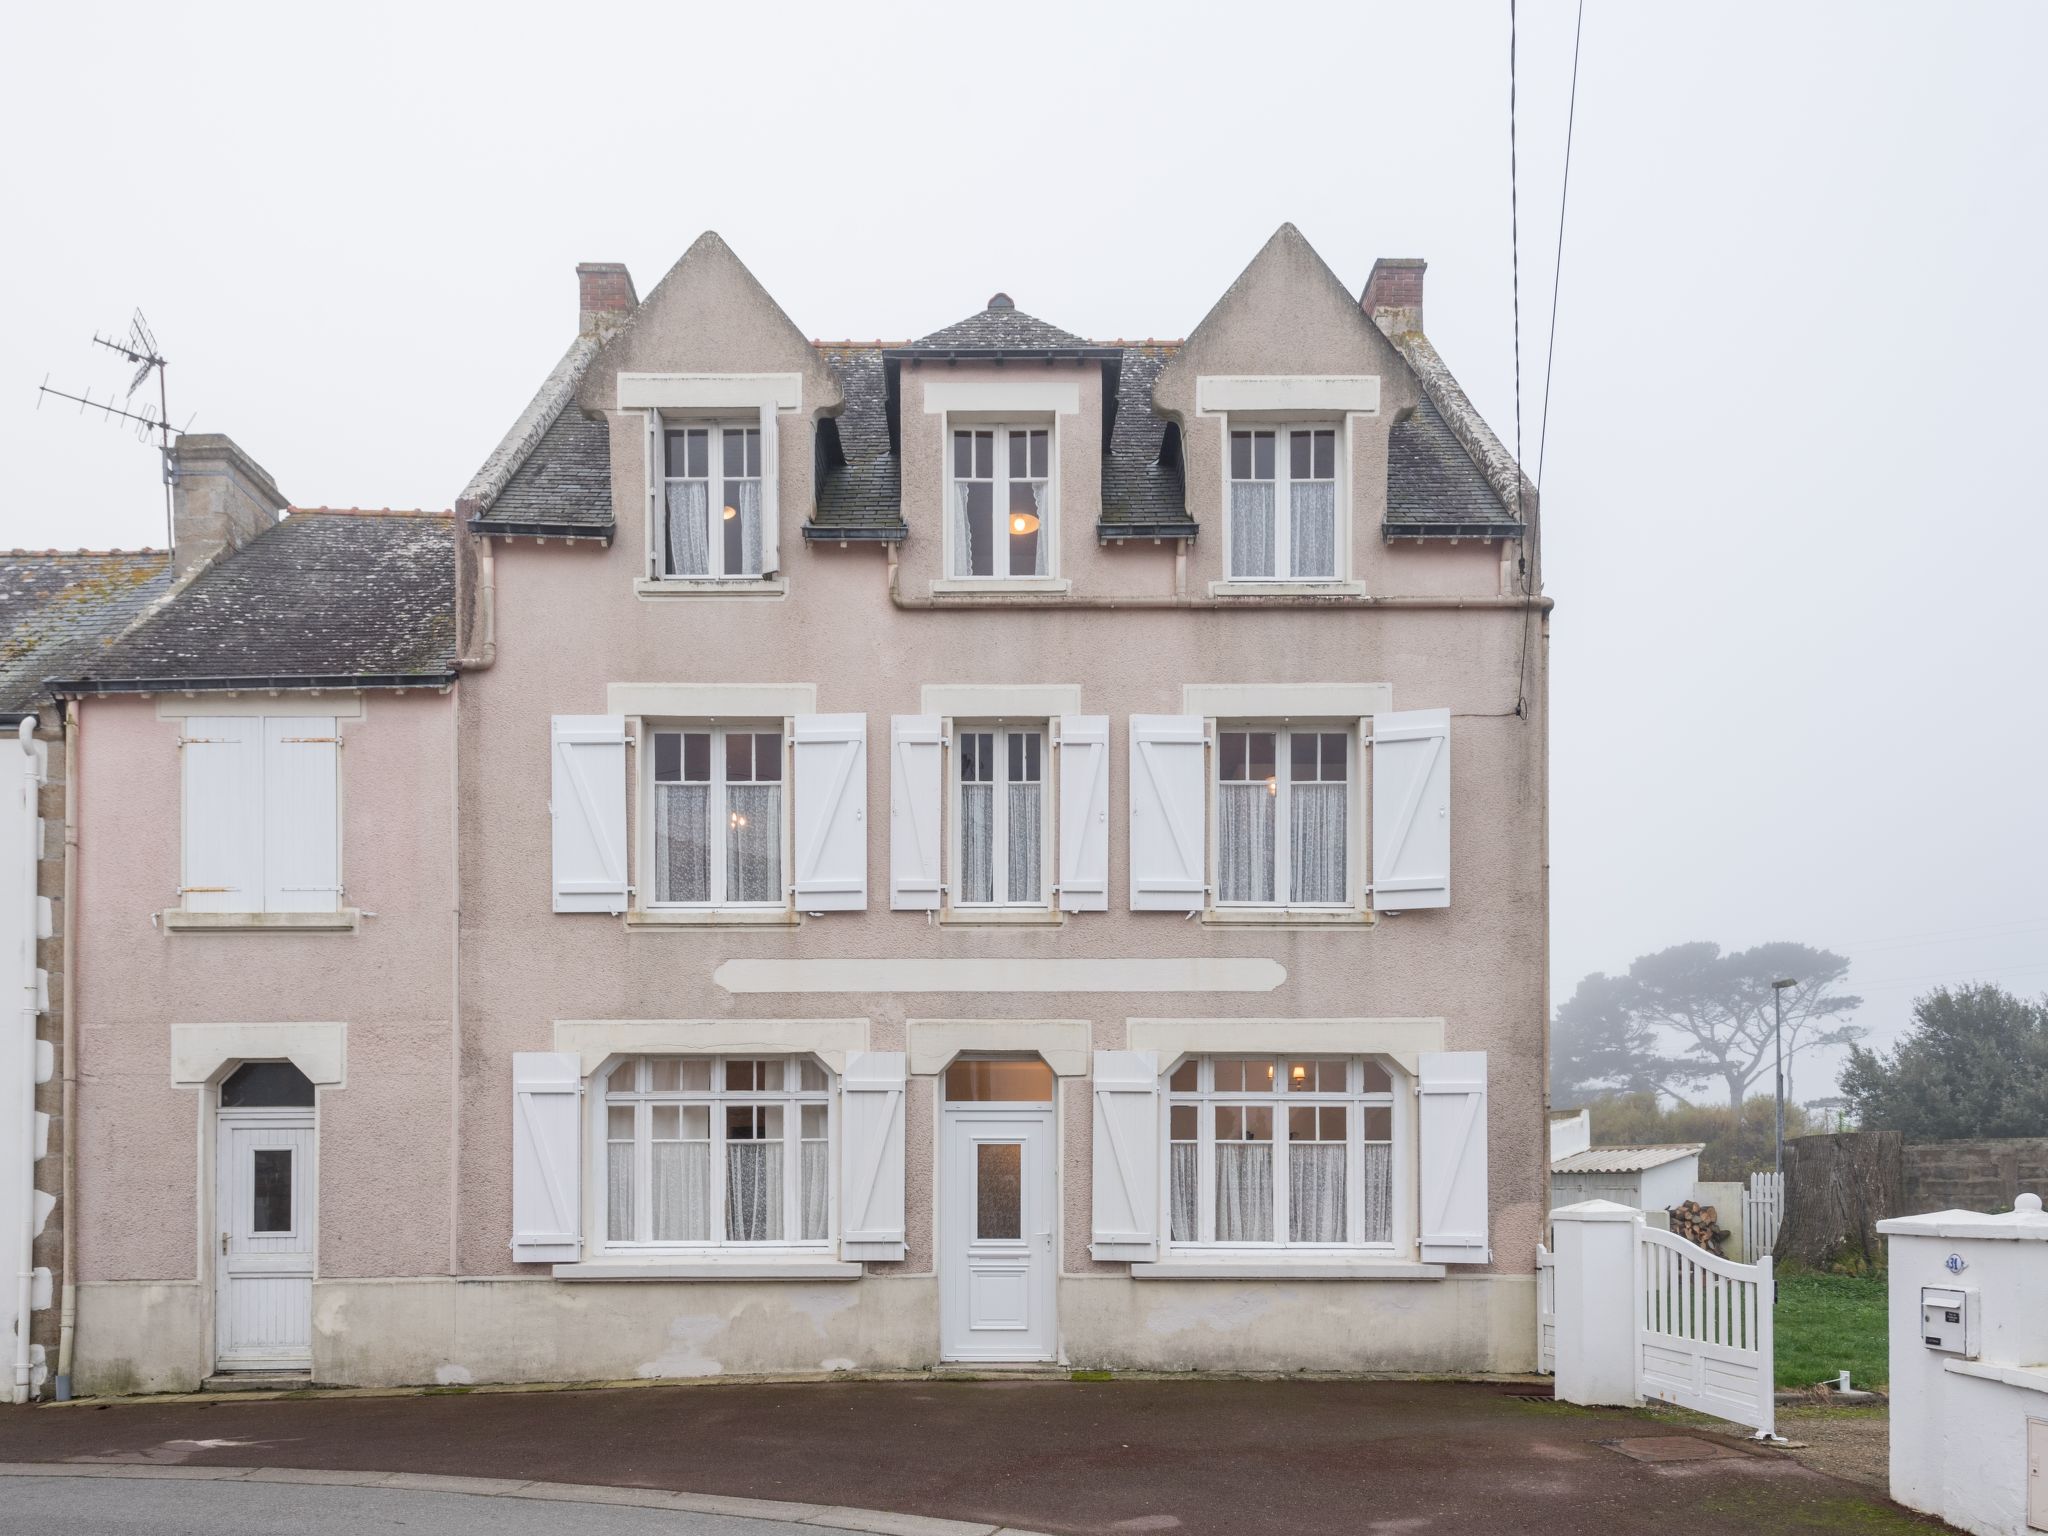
x=207, y=890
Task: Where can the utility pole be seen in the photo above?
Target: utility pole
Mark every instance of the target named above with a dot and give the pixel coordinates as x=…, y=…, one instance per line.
x=1778, y=1036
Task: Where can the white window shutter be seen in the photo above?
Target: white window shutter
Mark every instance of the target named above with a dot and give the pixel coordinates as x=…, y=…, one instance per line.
x=916, y=753
x=831, y=813
x=301, y=829
x=1168, y=843
x=1126, y=1183
x=871, y=1155
x=588, y=805
x=547, y=1168
x=657, y=470
x=771, y=493
x=1452, y=1137
x=1411, y=810
x=223, y=773
x=1084, y=813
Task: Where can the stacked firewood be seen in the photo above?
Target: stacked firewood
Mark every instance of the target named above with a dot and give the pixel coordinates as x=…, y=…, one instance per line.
x=1696, y=1224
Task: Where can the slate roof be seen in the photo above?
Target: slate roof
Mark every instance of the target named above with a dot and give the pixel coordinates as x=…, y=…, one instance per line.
x=1143, y=491
x=860, y=486
x=1626, y=1159
x=59, y=609
x=1002, y=327
x=565, y=481
x=1433, y=485
x=324, y=598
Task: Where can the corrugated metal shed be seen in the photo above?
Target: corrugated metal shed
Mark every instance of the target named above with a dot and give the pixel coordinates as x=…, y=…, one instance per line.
x=1626, y=1159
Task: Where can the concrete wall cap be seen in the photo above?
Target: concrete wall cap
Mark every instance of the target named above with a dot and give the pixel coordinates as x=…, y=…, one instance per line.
x=2025, y=1222
x=1596, y=1210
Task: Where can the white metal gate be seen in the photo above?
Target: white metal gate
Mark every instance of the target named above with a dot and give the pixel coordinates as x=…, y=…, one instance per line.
x=1703, y=1330
x=1763, y=1208
x=1546, y=1311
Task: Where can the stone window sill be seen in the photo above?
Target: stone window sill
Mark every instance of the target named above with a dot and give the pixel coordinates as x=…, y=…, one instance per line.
x=999, y=917
x=1284, y=917
x=1287, y=589
x=347, y=920
x=723, y=917
x=748, y=586
x=808, y=1266
x=1000, y=586
x=1188, y=1267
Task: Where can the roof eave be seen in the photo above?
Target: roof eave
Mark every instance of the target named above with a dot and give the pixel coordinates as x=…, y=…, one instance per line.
x=567, y=532
x=815, y=533
x=1488, y=531
x=339, y=681
x=1108, y=532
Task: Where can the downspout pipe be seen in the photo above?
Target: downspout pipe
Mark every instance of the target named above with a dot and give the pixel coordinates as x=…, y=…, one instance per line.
x=25, y=1239
x=67, y=1324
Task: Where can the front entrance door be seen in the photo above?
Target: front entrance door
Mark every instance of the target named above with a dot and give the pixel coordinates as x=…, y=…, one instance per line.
x=997, y=1266
x=263, y=1207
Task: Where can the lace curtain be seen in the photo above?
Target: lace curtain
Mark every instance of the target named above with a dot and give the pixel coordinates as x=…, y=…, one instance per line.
x=1312, y=529
x=753, y=1191
x=682, y=842
x=682, y=1191
x=814, y=1192
x=689, y=533
x=1184, y=1192
x=1251, y=528
x=1316, y=842
x=1244, y=842
x=618, y=1192
x=1379, y=1193
x=753, y=842
x=977, y=842
x=749, y=507
x=1315, y=1191
x=963, y=530
x=1244, y=1192
x=1026, y=839
x=1041, y=498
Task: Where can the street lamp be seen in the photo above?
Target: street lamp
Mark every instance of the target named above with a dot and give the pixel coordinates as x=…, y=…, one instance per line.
x=1778, y=1002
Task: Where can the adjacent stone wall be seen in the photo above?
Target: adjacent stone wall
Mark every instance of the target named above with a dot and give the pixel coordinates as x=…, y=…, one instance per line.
x=1974, y=1175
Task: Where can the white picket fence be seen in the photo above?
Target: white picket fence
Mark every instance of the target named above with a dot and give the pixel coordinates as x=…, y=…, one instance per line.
x=1763, y=1209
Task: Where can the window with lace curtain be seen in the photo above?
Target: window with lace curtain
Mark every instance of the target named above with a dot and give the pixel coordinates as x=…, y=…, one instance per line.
x=1001, y=823
x=1282, y=515
x=711, y=515
x=716, y=816
x=710, y=1151
x=999, y=515
x=1283, y=816
x=1291, y=1152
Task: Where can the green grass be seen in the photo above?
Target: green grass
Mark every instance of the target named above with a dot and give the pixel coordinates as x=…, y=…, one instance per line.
x=1831, y=1323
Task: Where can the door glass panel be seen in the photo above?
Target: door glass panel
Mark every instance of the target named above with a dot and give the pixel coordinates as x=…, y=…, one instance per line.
x=272, y=1206
x=998, y=1189
x=1009, y=1082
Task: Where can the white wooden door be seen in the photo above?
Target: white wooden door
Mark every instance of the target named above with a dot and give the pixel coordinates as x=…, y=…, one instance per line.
x=263, y=1210
x=996, y=1262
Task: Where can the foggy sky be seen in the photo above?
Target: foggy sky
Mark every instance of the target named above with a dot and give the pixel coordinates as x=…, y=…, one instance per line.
x=1792, y=500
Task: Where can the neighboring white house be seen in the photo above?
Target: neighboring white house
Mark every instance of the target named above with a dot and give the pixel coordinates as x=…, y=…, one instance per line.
x=1571, y=1130
x=1648, y=1178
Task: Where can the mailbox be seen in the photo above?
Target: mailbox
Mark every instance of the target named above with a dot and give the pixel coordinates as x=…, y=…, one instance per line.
x=1948, y=1319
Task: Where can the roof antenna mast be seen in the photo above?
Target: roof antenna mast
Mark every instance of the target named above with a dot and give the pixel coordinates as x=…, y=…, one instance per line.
x=139, y=348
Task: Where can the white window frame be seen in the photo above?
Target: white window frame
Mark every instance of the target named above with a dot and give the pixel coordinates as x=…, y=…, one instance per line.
x=1355, y=1099
x=715, y=428
x=1000, y=731
x=1283, y=552
x=644, y=744
x=1048, y=528
x=604, y=1096
x=1354, y=811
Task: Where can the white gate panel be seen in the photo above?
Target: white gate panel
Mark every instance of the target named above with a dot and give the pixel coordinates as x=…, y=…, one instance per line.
x=1546, y=1311
x=1703, y=1331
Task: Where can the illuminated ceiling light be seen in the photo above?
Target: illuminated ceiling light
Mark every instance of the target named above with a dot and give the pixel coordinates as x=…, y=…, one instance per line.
x=731, y=513
x=1023, y=522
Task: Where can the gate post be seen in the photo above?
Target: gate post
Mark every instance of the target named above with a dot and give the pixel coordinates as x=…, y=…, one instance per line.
x=1598, y=1294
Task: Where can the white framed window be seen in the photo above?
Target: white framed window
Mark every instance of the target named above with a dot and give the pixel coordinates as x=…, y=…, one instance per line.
x=713, y=519
x=1282, y=520
x=1282, y=1152
x=1284, y=819
x=717, y=815
x=716, y=1152
x=262, y=814
x=1002, y=842
x=1000, y=514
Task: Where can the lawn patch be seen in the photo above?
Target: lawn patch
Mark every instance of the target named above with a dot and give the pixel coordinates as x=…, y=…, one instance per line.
x=1831, y=1323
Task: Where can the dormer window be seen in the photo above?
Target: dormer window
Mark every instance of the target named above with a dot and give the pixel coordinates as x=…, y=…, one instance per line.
x=1000, y=503
x=712, y=522
x=1283, y=504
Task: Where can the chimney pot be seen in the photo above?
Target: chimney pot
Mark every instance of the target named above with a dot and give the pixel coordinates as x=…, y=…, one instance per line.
x=604, y=292
x=1393, y=294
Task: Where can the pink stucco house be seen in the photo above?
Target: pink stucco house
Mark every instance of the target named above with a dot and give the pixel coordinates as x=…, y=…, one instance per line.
x=999, y=848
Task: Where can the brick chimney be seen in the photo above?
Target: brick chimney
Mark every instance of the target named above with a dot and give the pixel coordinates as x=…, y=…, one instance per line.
x=1393, y=294
x=604, y=294
x=220, y=499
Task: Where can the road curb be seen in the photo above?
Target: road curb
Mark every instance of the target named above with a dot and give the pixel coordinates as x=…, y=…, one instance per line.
x=827, y=1517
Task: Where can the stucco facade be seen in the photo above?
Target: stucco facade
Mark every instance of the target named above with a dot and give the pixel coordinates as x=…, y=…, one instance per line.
x=448, y=826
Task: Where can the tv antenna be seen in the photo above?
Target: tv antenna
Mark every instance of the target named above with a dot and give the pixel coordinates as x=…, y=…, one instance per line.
x=139, y=348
